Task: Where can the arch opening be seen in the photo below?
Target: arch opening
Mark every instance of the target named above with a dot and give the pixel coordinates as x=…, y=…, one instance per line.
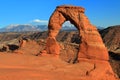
x=68, y=33
x=68, y=26
x=69, y=41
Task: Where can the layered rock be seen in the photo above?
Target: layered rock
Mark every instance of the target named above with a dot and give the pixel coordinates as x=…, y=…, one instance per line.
x=91, y=45
x=111, y=38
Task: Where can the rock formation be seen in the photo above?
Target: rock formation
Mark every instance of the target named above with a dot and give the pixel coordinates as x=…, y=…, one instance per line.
x=28, y=46
x=22, y=42
x=91, y=45
x=111, y=38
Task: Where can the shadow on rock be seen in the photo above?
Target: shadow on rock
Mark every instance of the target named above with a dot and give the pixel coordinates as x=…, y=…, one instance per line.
x=115, y=56
x=13, y=47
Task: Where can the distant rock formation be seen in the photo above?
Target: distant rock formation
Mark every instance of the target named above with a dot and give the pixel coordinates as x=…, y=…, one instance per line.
x=91, y=45
x=111, y=38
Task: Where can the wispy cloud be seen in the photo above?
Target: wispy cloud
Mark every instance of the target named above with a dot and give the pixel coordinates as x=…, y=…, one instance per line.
x=39, y=21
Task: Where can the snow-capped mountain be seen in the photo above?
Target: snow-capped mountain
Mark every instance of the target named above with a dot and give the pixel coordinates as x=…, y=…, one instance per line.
x=33, y=27
x=36, y=27
x=20, y=28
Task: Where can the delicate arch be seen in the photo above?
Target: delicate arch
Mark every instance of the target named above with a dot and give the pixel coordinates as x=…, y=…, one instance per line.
x=91, y=46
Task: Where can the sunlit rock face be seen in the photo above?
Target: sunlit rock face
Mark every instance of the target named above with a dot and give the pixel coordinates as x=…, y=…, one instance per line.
x=91, y=44
x=91, y=49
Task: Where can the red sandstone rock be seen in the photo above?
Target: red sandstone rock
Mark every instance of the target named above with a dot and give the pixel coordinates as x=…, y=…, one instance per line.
x=52, y=46
x=22, y=43
x=91, y=45
x=29, y=47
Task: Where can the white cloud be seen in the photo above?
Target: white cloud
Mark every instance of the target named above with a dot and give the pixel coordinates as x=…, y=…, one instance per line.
x=39, y=21
x=67, y=23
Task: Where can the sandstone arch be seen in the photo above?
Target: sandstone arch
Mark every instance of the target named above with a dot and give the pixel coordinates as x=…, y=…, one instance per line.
x=92, y=46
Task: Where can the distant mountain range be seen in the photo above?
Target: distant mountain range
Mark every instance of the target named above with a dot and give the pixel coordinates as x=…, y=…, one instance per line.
x=30, y=27
x=23, y=28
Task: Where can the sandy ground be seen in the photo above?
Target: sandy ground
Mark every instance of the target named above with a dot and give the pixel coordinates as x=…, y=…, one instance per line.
x=30, y=67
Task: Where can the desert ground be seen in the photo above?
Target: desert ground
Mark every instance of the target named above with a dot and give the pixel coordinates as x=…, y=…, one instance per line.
x=48, y=67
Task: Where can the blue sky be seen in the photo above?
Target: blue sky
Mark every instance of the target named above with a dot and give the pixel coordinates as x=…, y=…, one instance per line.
x=102, y=13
